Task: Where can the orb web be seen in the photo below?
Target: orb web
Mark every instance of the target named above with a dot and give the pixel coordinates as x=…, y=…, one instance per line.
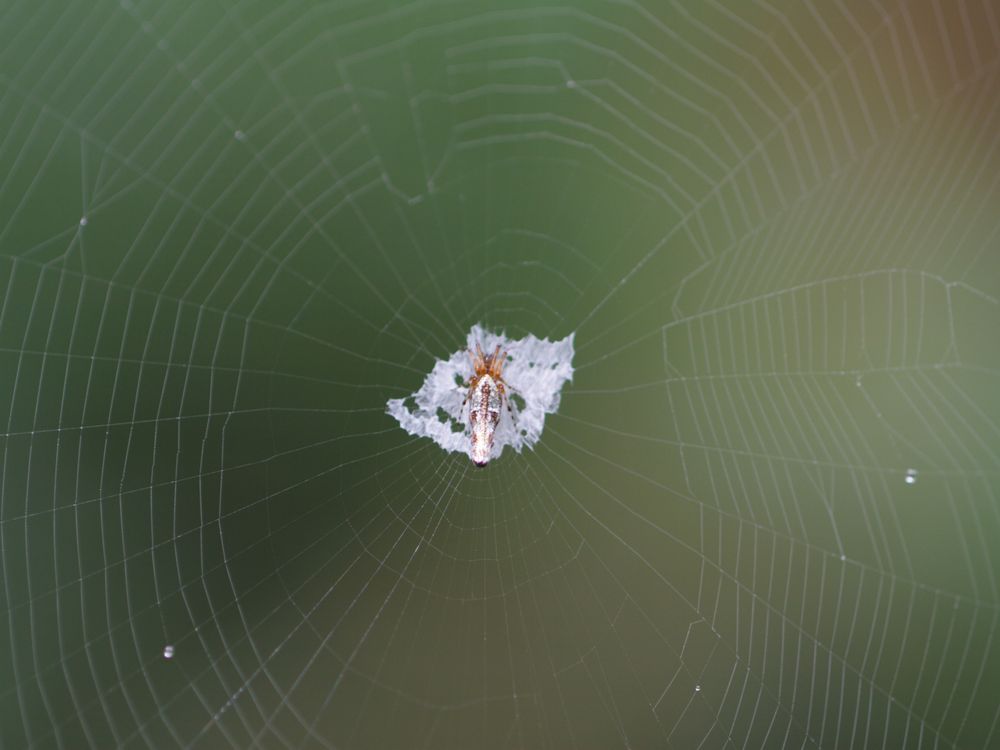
x=764, y=513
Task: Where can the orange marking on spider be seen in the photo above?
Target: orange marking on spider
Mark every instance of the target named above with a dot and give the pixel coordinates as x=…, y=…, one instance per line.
x=487, y=393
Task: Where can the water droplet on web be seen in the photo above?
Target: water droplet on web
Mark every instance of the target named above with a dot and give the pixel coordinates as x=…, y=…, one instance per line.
x=240, y=135
x=697, y=688
x=83, y=221
x=168, y=651
x=843, y=558
x=911, y=476
x=571, y=84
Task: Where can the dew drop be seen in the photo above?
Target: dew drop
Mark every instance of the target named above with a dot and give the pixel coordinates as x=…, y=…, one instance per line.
x=240, y=135
x=697, y=688
x=83, y=221
x=571, y=84
x=843, y=558
x=168, y=651
x=911, y=476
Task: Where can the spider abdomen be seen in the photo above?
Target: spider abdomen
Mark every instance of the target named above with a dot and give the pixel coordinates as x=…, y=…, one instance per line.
x=484, y=416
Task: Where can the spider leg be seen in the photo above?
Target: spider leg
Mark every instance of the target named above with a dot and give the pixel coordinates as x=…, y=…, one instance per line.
x=503, y=395
x=514, y=390
x=477, y=359
x=498, y=364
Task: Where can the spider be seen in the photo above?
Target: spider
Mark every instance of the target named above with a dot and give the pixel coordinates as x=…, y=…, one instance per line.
x=488, y=392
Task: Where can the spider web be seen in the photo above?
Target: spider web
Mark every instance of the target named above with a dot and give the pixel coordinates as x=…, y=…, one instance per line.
x=766, y=512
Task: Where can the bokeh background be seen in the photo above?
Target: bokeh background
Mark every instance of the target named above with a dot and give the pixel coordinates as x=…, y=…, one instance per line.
x=767, y=512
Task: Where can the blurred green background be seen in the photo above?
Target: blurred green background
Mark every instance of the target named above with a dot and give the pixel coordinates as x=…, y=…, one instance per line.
x=766, y=514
